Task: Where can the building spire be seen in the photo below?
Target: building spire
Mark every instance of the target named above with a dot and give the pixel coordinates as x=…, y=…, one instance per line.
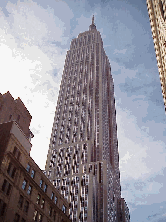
x=92, y=26
x=93, y=20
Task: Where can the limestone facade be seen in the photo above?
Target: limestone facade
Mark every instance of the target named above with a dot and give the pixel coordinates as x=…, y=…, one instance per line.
x=83, y=159
x=157, y=14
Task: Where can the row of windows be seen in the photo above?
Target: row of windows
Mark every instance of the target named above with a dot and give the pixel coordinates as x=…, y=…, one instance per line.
x=40, y=201
x=17, y=218
x=31, y=171
x=18, y=118
x=84, y=40
x=2, y=208
x=24, y=185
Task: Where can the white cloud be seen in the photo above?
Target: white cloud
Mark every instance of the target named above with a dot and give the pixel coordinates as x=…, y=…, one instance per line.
x=140, y=154
x=123, y=51
x=32, y=66
x=33, y=24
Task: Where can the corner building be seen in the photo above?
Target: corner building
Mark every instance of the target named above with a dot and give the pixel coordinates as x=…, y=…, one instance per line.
x=157, y=15
x=83, y=159
x=26, y=194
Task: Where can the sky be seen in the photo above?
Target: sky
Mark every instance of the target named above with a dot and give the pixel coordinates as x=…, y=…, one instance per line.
x=34, y=39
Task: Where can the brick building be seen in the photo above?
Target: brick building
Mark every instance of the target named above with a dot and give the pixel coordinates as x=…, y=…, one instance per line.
x=25, y=192
x=14, y=109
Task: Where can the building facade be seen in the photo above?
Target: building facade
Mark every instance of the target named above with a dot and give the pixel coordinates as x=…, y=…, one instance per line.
x=157, y=14
x=26, y=194
x=83, y=159
x=123, y=211
x=14, y=109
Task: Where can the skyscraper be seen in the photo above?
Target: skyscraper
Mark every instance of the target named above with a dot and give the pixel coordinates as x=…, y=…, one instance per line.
x=83, y=159
x=157, y=14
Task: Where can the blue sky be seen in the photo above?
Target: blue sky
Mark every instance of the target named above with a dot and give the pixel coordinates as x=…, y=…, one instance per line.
x=35, y=36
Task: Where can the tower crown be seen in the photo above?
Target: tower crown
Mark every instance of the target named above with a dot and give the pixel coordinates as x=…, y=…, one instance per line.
x=92, y=26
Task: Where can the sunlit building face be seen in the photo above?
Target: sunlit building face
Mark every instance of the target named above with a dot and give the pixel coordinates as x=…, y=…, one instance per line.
x=83, y=159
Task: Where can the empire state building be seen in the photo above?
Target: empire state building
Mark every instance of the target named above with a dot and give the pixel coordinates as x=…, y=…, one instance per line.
x=83, y=159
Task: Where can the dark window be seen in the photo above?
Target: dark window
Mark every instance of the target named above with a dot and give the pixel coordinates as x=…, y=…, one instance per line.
x=35, y=217
x=17, y=218
x=10, y=117
x=6, y=187
x=11, y=170
x=38, y=199
x=24, y=184
x=54, y=216
x=29, y=190
x=20, y=203
x=16, y=153
x=45, y=188
x=28, y=168
x=33, y=174
x=41, y=183
x=50, y=211
x=2, y=207
x=43, y=203
x=26, y=206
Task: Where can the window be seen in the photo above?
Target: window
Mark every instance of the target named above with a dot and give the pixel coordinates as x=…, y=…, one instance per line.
x=2, y=207
x=35, y=215
x=43, y=203
x=28, y=168
x=33, y=174
x=6, y=187
x=16, y=218
x=26, y=206
x=50, y=211
x=55, y=200
x=10, y=117
x=64, y=209
x=24, y=184
x=11, y=170
x=54, y=216
x=45, y=188
x=38, y=199
x=16, y=153
x=52, y=196
x=41, y=183
x=29, y=190
x=20, y=203
x=40, y=217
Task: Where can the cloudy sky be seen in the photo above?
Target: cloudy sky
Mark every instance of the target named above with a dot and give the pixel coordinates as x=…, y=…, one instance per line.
x=34, y=39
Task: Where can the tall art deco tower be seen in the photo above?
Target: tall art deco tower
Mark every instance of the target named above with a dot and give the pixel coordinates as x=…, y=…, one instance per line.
x=83, y=160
